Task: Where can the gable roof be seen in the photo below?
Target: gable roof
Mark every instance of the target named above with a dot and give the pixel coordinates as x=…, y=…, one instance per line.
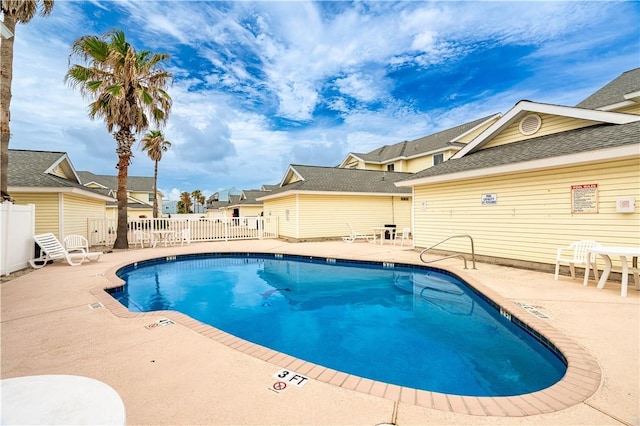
x=436, y=142
x=224, y=204
x=579, y=146
x=134, y=183
x=32, y=171
x=523, y=108
x=621, y=92
x=250, y=196
x=317, y=179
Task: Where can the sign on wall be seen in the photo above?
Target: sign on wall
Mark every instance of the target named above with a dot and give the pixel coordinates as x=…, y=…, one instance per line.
x=489, y=199
x=584, y=198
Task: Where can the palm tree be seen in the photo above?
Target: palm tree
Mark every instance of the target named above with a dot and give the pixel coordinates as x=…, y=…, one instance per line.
x=155, y=144
x=196, y=197
x=185, y=197
x=21, y=11
x=126, y=88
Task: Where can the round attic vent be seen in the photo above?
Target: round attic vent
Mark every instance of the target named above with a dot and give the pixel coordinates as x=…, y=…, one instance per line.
x=530, y=124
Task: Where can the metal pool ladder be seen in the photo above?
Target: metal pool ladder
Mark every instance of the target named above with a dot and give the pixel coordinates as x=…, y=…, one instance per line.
x=460, y=255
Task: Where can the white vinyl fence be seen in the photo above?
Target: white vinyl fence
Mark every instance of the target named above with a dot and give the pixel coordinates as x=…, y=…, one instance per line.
x=103, y=231
x=17, y=226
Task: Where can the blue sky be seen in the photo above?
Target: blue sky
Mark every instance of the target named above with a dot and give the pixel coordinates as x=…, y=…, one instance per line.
x=261, y=85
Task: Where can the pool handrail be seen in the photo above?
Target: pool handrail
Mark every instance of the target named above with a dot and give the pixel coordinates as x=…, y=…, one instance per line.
x=460, y=255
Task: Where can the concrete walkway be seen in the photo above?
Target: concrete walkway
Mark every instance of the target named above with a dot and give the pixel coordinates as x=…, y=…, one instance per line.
x=180, y=374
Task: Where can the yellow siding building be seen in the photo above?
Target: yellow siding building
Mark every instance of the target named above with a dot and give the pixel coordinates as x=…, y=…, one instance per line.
x=316, y=203
x=48, y=180
x=539, y=178
x=419, y=154
x=139, y=194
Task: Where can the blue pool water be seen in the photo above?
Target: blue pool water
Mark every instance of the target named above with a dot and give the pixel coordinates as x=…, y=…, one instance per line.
x=410, y=326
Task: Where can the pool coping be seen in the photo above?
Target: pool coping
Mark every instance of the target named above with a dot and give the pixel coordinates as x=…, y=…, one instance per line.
x=581, y=380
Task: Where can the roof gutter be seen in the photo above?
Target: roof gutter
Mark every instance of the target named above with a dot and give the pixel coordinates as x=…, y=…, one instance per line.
x=338, y=193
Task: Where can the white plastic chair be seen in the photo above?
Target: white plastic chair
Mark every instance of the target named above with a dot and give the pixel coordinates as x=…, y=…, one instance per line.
x=76, y=243
x=402, y=236
x=52, y=249
x=578, y=256
x=140, y=237
x=185, y=236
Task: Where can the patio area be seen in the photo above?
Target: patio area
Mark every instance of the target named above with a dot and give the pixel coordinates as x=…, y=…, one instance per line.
x=182, y=374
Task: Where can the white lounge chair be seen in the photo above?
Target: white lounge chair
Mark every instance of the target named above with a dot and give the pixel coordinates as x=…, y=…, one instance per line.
x=52, y=249
x=578, y=256
x=355, y=236
x=76, y=243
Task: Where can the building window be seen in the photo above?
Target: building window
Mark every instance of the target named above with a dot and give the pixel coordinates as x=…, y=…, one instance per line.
x=150, y=197
x=438, y=159
x=390, y=167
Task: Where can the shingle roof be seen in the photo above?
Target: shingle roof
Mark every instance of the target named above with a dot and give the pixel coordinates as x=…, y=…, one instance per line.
x=406, y=149
x=27, y=169
x=571, y=142
x=134, y=183
x=251, y=195
x=613, y=92
x=334, y=179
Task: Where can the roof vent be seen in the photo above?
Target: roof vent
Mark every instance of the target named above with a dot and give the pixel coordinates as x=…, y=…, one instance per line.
x=530, y=124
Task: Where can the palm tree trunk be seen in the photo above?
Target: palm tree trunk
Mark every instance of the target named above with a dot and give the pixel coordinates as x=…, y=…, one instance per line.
x=155, y=190
x=124, y=141
x=6, y=75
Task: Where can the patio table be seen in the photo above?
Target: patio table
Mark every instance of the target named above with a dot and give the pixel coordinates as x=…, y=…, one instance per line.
x=381, y=230
x=623, y=253
x=163, y=236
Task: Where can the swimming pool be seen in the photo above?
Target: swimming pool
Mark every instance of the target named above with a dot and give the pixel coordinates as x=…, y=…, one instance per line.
x=407, y=325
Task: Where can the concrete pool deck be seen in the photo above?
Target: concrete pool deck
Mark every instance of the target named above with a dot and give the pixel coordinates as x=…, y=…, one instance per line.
x=181, y=374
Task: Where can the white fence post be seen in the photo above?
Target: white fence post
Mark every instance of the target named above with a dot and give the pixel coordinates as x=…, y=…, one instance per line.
x=17, y=226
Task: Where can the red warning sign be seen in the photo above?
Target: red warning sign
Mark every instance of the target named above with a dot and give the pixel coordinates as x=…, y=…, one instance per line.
x=279, y=386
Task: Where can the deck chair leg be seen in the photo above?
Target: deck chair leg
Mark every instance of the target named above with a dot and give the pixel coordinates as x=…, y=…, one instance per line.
x=572, y=267
x=38, y=263
x=594, y=266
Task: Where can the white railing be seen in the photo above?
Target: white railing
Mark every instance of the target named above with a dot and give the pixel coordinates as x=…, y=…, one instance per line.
x=103, y=231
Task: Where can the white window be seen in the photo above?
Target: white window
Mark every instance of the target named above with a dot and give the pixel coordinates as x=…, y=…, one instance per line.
x=437, y=159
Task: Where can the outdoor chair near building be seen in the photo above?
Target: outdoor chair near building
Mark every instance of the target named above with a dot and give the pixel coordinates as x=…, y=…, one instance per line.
x=76, y=243
x=355, y=236
x=576, y=254
x=404, y=235
x=52, y=249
